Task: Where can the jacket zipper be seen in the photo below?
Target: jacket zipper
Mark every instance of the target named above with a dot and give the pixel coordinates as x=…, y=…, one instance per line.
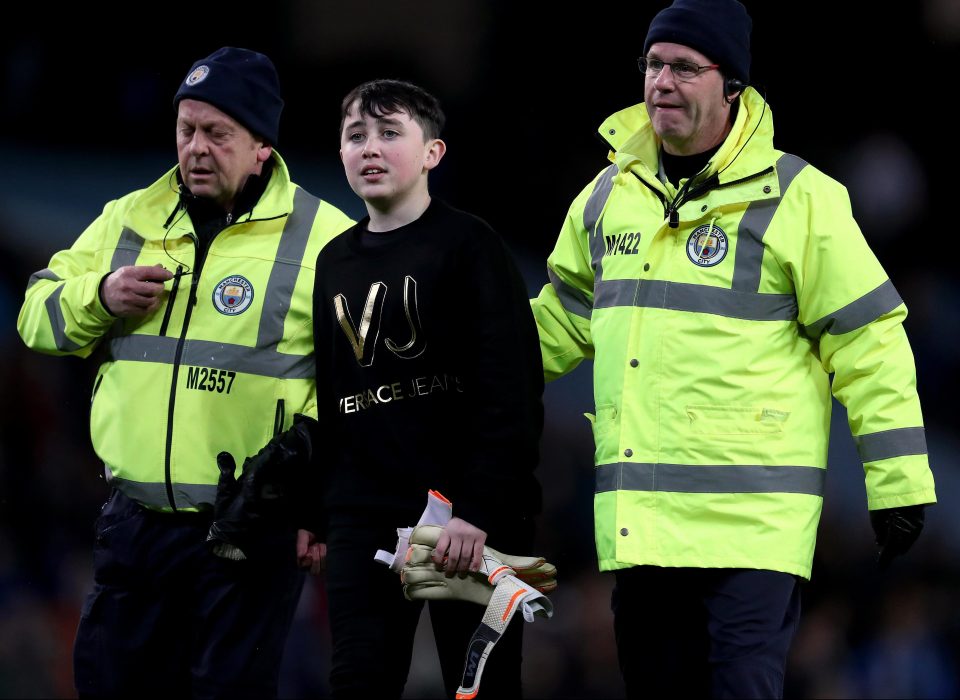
x=670, y=211
x=191, y=302
x=171, y=300
x=663, y=200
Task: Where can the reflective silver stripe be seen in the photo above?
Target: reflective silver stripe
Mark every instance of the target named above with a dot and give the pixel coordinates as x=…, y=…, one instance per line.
x=591, y=217
x=859, y=313
x=573, y=300
x=697, y=298
x=610, y=293
x=44, y=274
x=682, y=478
x=266, y=362
x=886, y=444
x=754, y=224
x=128, y=249
x=286, y=268
x=57, y=322
x=154, y=495
x=126, y=253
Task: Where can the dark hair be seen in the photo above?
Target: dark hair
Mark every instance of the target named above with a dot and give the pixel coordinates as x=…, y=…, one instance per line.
x=379, y=98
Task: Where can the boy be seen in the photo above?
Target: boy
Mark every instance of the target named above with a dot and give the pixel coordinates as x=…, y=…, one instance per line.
x=429, y=373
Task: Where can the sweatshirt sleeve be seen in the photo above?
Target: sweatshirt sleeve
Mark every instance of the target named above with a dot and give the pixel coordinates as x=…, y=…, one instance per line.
x=314, y=513
x=503, y=381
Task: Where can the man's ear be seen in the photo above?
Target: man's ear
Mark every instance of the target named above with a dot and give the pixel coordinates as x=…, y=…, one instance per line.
x=435, y=149
x=264, y=151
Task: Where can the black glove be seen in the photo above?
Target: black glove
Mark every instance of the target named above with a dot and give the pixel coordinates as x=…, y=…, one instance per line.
x=264, y=495
x=897, y=529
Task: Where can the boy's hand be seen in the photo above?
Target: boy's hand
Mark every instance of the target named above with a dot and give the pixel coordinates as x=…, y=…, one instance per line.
x=311, y=555
x=460, y=548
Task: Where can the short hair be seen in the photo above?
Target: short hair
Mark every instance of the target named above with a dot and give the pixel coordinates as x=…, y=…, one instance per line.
x=379, y=98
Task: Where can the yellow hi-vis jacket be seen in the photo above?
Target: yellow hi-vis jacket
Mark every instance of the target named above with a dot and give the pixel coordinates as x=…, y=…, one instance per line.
x=226, y=360
x=714, y=336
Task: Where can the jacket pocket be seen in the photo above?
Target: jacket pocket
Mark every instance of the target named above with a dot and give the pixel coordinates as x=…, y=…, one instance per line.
x=93, y=394
x=606, y=435
x=280, y=417
x=736, y=420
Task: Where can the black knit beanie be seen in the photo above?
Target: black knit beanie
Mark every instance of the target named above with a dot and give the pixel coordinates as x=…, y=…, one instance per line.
x=719, y=29
x=241, y=83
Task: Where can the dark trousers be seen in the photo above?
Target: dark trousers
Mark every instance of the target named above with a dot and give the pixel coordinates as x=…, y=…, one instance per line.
x=373, y=626
x=699, y=633
x=167, y=618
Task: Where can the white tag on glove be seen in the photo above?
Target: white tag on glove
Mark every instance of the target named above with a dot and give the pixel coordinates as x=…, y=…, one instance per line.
x=438, y=512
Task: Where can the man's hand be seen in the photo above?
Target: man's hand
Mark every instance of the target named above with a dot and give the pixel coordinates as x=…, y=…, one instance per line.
x=311, y=555
x=896, y=529
x=460, y=548
x=134, y=290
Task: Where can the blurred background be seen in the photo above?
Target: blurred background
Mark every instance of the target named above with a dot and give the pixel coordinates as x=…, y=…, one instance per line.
x=860, y=90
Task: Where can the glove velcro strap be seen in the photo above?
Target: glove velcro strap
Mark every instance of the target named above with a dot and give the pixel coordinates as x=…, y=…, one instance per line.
x=499, y=612
x=221, y=547
x=228, y=551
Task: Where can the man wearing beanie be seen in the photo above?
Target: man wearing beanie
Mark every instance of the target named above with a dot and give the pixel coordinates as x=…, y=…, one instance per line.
x=195, y=293
x=726, y=294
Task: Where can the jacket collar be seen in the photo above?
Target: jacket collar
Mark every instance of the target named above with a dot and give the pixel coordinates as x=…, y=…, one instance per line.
x=152, y=206
x=747, y=150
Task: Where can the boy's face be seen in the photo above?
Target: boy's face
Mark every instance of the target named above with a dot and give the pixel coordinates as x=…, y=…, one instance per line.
x=386, y=158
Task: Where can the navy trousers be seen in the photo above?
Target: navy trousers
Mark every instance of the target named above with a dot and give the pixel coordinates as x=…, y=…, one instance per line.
x=699, y=633
x=373, y=626
x=167, y=618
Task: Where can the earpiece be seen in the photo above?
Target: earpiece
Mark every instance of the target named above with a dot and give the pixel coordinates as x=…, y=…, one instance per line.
x=733, y=85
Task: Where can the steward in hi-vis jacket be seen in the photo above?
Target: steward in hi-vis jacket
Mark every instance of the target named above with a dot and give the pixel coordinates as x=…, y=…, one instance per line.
x=715, y=316
x=196, y=295
x=716, y=306
x=223, y=364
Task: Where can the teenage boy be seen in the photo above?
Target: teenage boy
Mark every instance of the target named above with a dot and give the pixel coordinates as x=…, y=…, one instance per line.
x=430, y=375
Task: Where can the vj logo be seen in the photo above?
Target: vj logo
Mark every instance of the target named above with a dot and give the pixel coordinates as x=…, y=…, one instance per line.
x=363, y=343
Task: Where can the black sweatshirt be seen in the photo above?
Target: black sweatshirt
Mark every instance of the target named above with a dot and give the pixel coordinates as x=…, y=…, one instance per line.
x=428, y=372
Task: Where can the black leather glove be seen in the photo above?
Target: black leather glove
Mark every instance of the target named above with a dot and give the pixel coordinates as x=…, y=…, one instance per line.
x=897, y=529
x=264, y=494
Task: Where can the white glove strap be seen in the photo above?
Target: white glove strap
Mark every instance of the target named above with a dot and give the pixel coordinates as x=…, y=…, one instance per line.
x=509, y=594
x=438, y=512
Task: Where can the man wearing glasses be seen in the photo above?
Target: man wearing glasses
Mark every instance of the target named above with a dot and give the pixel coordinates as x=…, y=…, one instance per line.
x=718, y=283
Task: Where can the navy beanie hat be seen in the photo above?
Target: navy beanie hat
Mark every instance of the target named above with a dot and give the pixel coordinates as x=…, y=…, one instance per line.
x=719, y=29
x=241, y=83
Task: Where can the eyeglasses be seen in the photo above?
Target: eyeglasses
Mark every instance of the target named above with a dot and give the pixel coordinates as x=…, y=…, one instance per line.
x=682, y=70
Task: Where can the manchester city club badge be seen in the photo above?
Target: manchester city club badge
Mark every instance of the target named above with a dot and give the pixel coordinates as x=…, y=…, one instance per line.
x=233, y=295
x=707, y=245
x=197, y=76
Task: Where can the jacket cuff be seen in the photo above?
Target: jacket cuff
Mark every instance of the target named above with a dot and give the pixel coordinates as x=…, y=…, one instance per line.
x=99, y=305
